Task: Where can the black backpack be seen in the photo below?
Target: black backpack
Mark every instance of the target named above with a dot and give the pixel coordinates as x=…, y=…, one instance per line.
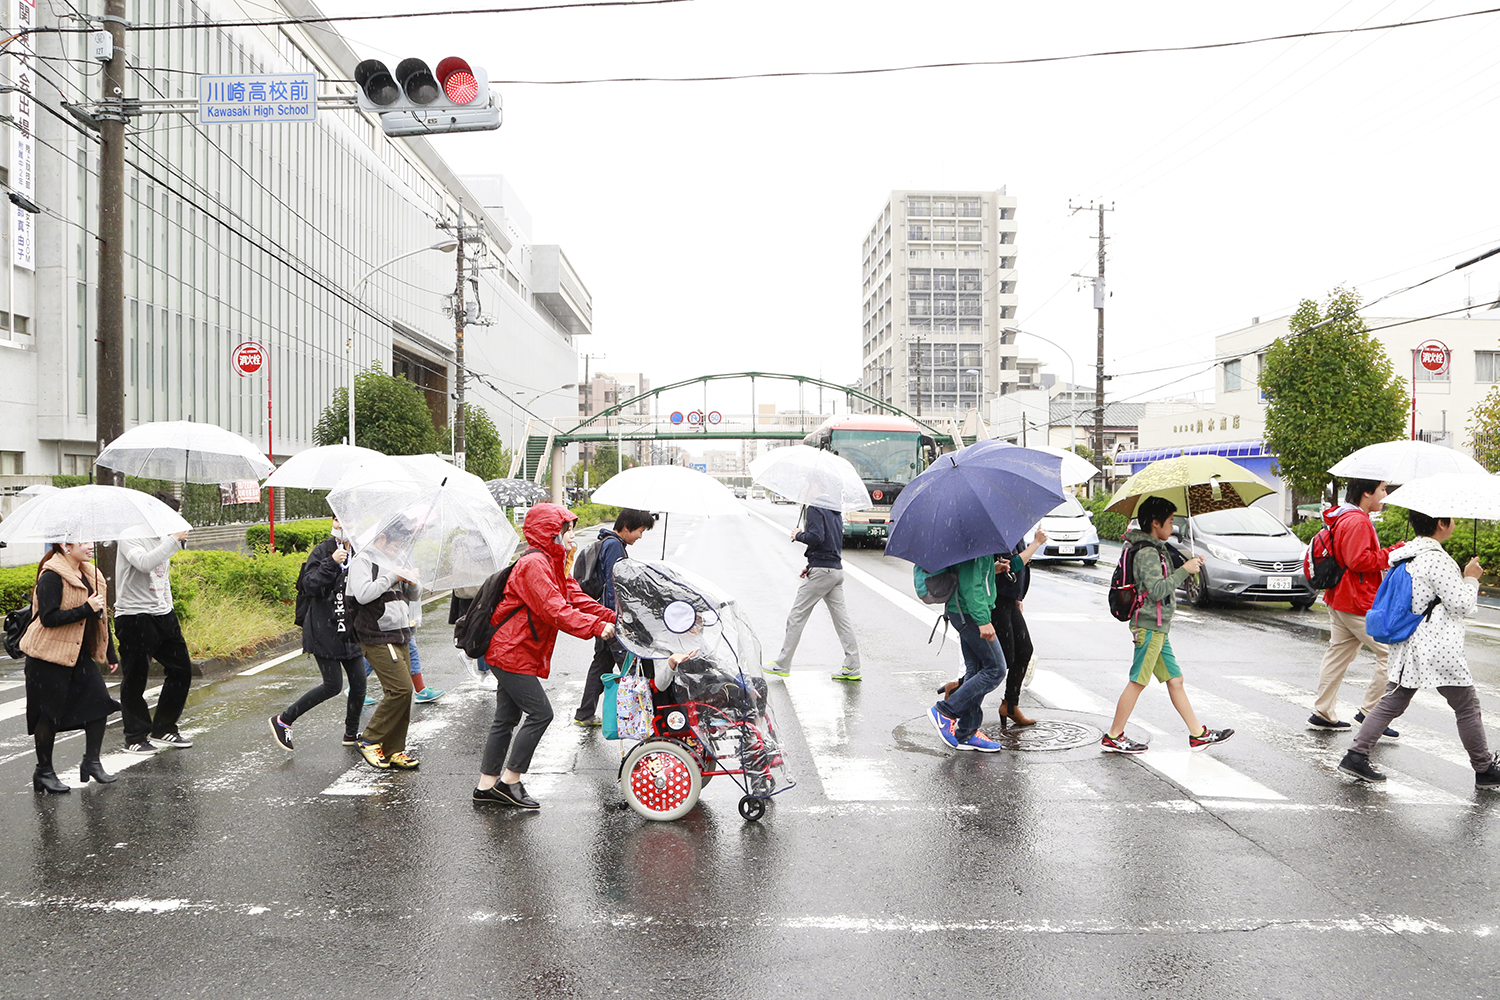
x=588, y=569
x=16, y=623
x=473, y=632
x=1319, y=564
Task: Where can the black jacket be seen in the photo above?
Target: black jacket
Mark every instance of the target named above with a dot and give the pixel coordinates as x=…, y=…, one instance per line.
x=823, y=534
x=327, y=630
x=1012, y=578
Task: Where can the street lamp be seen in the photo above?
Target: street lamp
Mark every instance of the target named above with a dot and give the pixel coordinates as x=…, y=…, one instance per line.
x=1072, y=383
x=447, y=245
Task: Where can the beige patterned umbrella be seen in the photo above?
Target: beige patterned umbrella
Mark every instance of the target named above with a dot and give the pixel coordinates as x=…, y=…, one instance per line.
x=1195, y=483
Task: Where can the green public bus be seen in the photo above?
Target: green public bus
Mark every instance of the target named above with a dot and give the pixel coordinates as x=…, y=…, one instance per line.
x=888, y=452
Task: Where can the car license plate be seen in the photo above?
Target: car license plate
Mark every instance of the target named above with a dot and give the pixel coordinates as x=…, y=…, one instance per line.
x=1278, y=583
x=877, y=531
x=1065, y=550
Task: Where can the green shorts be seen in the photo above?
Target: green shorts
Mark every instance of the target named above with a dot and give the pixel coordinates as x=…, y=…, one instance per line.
x=1153, y=658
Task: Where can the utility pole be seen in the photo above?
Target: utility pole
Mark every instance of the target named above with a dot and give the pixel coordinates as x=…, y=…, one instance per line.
x=588, y=411
x=109, y=337
x=919, y=373
x=1099, y=296
x=460, y=317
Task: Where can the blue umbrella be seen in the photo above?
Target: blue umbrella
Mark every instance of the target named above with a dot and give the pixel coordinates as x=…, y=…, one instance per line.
x=975, y=502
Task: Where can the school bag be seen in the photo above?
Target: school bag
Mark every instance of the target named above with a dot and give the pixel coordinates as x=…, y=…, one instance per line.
x=1125, y=598
x=934, y=588
x=1391, y=619
x=588, y=569
x=473, y=632
x=1319, y=564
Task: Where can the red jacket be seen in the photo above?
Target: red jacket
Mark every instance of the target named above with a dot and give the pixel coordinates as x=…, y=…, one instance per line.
x=1357, y=549
x=542, y=599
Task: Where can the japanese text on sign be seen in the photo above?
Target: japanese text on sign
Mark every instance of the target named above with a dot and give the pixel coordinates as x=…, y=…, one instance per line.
x=287, y=97
x=23, y=149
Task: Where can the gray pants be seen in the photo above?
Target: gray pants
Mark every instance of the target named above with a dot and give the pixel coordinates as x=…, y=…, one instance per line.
x=826, y=585
x=517, y=694
x=1465, y=704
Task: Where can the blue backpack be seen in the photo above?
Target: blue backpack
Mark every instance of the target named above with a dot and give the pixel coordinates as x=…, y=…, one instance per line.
x=1391, y=619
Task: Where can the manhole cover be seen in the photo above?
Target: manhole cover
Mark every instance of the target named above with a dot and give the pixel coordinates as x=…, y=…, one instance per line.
x=1047, y=734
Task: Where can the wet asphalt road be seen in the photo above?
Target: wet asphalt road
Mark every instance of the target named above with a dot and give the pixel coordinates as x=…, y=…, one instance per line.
x=894, y=868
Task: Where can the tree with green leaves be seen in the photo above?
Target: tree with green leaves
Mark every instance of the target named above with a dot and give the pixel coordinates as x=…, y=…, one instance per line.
x=1331, y=390
x=484, y=455
x=604, y=465
x=390, y=416
x=1484, y=431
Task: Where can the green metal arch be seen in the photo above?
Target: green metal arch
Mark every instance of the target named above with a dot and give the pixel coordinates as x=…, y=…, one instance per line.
x=564, y=436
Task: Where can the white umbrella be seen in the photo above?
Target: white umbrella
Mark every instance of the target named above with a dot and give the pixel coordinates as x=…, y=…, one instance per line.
x=38, y=490
x=1075, y=468
x=1405, y=462
x=668, y=488
x=91, y=514
x=1451, y=494
x=320, y=468
x=183, y=451
x=813, y=477
x=671, y=489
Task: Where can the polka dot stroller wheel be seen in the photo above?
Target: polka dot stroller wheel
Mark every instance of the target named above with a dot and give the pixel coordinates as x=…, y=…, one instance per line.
x=661, y=780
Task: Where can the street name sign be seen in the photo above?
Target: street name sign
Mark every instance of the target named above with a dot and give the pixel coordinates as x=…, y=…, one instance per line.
x=268, y=97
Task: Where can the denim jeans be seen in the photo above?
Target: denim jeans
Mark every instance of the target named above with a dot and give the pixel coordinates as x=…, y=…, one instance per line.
x=984, y=670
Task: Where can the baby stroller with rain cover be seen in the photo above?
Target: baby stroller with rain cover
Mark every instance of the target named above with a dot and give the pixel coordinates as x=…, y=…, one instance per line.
x=713, y=720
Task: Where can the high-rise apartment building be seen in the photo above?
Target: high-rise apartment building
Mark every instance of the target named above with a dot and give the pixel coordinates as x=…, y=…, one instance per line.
x=939, y=288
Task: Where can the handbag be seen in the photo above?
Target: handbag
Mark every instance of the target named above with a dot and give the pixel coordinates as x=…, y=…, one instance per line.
x=628, y=710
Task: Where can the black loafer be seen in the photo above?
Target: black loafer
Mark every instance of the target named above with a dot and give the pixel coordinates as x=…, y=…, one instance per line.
x=515, y=794
x=490, y=795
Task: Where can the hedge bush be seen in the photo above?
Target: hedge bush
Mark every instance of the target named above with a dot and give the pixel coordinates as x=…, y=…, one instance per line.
x=590, y=514
x=291, y=536
x=15, y=587
x=1109, y=525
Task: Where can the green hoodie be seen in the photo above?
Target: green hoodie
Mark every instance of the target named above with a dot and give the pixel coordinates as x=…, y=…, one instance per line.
x=975, y=594
x=1159, y=587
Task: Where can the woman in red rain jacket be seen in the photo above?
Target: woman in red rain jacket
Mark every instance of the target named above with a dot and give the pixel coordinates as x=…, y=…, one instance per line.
x=541, y=599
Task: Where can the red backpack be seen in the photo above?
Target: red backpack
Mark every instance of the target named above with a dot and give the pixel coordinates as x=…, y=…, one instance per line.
x=1319, y=564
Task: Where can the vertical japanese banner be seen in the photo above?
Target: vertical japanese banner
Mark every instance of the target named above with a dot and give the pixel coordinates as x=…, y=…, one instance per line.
x=23, y=152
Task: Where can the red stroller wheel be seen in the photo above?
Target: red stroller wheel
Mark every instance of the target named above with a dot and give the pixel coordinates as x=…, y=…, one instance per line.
x=661, y=780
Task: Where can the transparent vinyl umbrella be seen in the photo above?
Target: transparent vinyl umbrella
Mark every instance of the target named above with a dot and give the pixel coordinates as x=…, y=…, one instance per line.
x=813, y=477
x=1404, y=462
x=320, y=468
x=182, y=451
x=91, y=514
x=668, y=489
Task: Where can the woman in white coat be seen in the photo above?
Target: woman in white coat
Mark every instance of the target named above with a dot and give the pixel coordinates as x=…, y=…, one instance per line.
x=1434, y=655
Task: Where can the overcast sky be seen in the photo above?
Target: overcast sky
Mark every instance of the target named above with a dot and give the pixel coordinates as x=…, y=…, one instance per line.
x=718, y=225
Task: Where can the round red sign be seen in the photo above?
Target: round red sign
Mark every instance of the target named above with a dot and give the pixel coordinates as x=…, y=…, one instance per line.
x=877, y=495
x=1433, y=356
x=249, y=358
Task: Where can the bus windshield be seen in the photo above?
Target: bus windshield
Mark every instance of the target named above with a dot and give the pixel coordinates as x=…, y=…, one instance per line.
x=880, y=456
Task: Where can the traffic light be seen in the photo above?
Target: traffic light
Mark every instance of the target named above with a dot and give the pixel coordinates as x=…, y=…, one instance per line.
x=416, y=101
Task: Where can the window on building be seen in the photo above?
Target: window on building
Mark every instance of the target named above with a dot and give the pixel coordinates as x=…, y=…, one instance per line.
x=1423, y=375
x=1236, y=423
x=12, y=463
x=1486, y=366
x=1232, y=375
x=918, y=207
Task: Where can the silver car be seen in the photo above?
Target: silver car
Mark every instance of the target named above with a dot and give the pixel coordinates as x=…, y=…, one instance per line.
x=1070, y=534
x=1248, y=555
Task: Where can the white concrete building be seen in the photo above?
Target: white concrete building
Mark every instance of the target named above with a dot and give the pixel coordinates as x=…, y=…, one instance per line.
x=256, y=232
x=939, y=286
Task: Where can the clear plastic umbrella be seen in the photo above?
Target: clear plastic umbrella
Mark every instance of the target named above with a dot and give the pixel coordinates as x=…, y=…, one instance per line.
x=1451, y=494
x=320, y=468
x=442, y=528
x=668, y=489
x=813, y=477
x=1404, y=462
x=91, y=514
x=181, y=451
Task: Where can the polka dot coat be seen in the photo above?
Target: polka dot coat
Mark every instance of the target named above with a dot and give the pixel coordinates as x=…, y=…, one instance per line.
x=1434, y=655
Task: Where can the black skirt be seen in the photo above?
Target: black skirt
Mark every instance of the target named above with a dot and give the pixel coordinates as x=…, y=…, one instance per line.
x=68, y=697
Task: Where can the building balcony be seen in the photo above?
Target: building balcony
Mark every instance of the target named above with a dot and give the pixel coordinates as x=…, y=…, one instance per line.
x=561, y=290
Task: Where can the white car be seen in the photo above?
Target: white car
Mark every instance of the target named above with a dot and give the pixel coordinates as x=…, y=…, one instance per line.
x=1070, y=534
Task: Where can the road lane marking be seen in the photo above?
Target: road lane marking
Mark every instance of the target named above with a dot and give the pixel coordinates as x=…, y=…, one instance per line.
x=260, y=668
x=823, y=711
x=1065, y=696
x=1205, y=777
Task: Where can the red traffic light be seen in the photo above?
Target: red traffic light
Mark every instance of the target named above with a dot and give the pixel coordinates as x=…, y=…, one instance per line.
x=457, y=80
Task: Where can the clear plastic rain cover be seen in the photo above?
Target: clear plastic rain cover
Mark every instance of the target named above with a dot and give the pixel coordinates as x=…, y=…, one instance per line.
x=663, y=609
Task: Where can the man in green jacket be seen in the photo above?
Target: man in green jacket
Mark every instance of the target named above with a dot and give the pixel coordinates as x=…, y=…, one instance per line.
x=957, y=717
x=1157, y=583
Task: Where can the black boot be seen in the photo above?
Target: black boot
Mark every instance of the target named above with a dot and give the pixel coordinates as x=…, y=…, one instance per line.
x=44, y=779
x=91, y=768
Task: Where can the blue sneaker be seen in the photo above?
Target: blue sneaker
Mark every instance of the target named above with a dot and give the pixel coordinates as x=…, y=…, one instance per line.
x=429, y=694
x=370, y=699
x=946, y=727
x=777, y=670
x=979, y=742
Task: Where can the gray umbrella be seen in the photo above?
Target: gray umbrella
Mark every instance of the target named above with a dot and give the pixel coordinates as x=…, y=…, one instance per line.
x=517, y=492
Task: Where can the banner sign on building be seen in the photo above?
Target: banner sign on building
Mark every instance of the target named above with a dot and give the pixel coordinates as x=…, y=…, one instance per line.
x=267, y=97
x=23, y=149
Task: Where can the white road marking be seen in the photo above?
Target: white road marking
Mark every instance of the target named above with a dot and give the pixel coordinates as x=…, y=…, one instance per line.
x=1204, y=777
x=1065, y=696
x=260, y=668
x=823, y=707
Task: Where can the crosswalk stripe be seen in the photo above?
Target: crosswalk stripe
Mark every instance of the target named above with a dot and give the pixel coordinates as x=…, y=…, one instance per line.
x=1206, y=777
x=823, y=712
